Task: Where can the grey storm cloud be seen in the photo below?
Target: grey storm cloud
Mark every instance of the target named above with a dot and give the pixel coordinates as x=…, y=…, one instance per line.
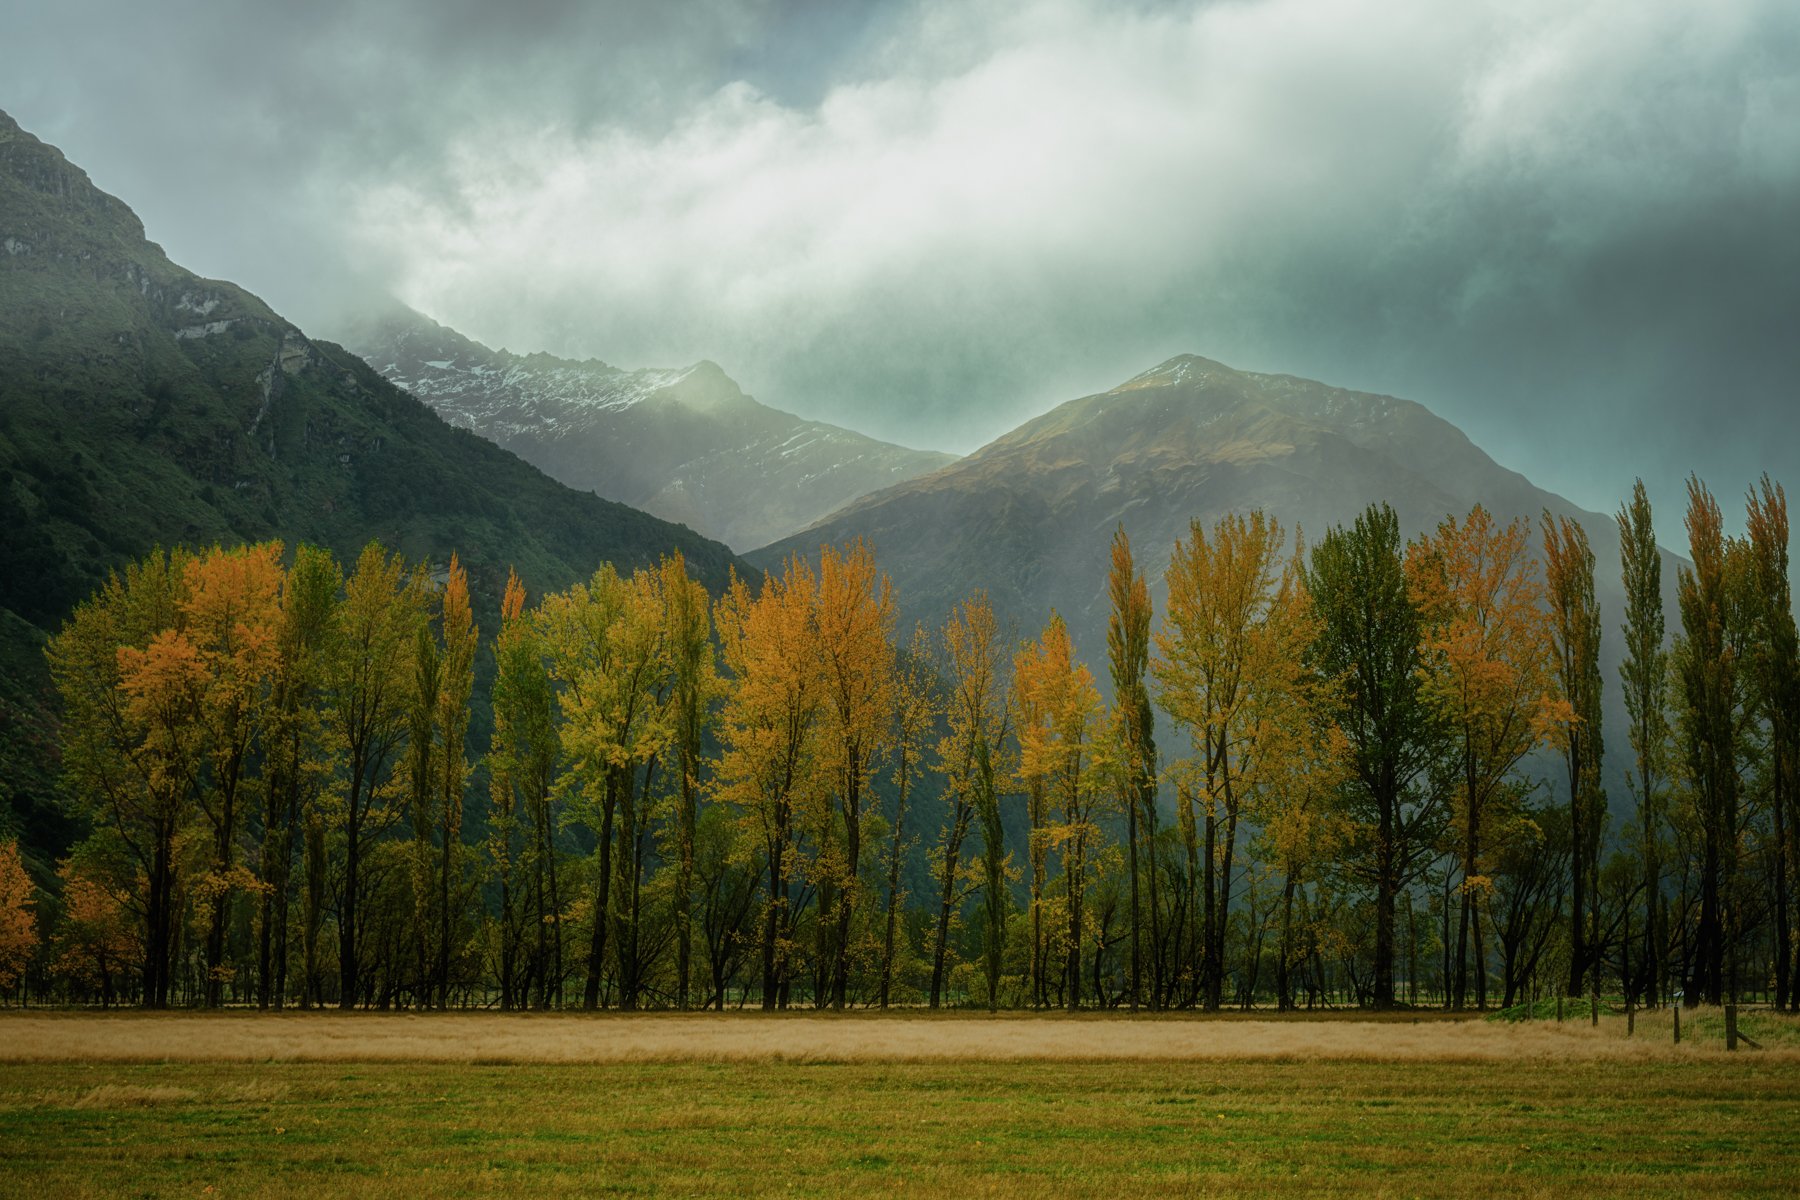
x=1570, y=228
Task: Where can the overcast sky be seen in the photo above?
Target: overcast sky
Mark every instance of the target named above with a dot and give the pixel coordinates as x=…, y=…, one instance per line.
x=1573, y=229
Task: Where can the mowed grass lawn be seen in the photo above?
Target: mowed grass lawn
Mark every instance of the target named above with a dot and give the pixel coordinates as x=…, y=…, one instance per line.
x=1715, y=1126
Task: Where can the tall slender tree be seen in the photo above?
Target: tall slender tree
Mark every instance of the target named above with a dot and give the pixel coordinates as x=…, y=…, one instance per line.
x=916, y=712
x=522, y=844
x=232, y=607
x=856, y=653
x=1775, y=670
x=1128, y=655
x=293, y=750
x=1231, y=669
x=366, y=681
x=1058, y=748
x=1575, y=644
x=1486, y=669
x=687, y=621
x=1644, y=677
x=769, y=730
x=456, y=682
x=1370, y=645
x=1709, y=667
x=130, y=749
x=975, y=714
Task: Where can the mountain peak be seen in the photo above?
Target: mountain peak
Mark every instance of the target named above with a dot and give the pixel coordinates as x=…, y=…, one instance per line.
x=1183, y=368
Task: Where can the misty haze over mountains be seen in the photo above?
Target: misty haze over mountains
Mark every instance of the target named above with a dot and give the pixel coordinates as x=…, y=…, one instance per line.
x=686, y=444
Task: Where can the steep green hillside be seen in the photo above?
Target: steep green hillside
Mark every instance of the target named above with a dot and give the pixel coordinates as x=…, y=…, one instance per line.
x=141, y=405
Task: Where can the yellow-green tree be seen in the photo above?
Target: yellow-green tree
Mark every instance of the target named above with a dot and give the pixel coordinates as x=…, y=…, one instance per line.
x=1057, y=748
x=605, y=644
x=916, y=710
x=1128, y=655
x=294, y=758
x=1232, y=672
x=1575, y=646
x=687, y=624
x=368, y=684
x=456, y=680
x=1710, y=669
x=1644, y=679
x=131, y=751
x=522, y=761
x=1774, y=666
x=975, y=716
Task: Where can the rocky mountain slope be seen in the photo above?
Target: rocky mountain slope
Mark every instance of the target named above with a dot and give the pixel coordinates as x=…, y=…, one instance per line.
x=141, y=405
x=686, y=444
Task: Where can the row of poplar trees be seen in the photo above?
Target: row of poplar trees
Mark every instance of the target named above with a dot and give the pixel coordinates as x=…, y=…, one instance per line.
x=769, y=796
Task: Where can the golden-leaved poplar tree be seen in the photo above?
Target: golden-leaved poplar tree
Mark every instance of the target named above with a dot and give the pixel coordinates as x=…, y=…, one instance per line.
x=770, y=730
x=1232, y=672
x=975, y=717
x=855, y=624
x=1486, y=670
x=232, y=610
x=1057, y=752
x=368, y=685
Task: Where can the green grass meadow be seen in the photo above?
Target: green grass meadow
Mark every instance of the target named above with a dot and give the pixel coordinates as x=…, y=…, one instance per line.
x=1675, y=1128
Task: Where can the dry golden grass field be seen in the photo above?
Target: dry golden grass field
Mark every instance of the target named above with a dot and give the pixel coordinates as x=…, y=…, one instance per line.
x=943, y=1104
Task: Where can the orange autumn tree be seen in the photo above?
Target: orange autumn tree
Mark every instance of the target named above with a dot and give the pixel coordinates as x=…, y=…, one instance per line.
x=96, y=945
x=232, y=617
x=1486, y=670
x=855, y=625
x=18, y=921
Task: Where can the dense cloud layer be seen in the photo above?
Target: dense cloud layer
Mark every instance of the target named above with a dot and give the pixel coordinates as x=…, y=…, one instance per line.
x=1570, y=228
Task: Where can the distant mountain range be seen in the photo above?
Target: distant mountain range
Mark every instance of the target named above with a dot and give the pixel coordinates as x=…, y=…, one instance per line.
x=1029, y=517
x=141, y=405
x=685, y=444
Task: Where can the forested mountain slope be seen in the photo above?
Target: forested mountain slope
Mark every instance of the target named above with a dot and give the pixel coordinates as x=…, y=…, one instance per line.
x=141, y=405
